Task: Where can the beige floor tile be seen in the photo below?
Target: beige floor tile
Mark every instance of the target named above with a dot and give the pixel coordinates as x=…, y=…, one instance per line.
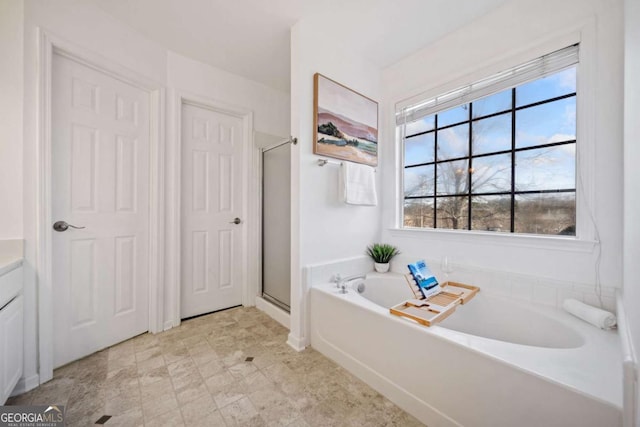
x=189, y=388
x=191, y=340
x=300, y=422
x=131, y=418
x=84, y=410
x=266, y=359
x=242, y=369
x=183, y=368
x=197, y=375
x=234, y=357
x=323, y=415
x=121, y=362
x=175, y=354
x=197, y=409
x=274, y=407
x=187, y=395
x=241, y=413
x=154, y=375
x=21, y=399
x=187, y=379
x=212, y=419
x=122, y=403
x=156, y=390
x=159, y=406
x=258, y=381
x=205, y=357
x=55, y=392
x=148, y=353
x=230, y=393
x=121, y=350
x=144, y=342
x=172, y=418
x=201, y=347
x=150, y=364
x=210, y=368
x=219, y=382
x=121, y=376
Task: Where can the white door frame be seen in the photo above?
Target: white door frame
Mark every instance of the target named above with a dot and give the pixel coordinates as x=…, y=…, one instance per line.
x=48, y=45
x=250, y=213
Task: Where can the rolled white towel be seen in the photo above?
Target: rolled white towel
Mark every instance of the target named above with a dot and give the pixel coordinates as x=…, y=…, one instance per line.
x=597, y=317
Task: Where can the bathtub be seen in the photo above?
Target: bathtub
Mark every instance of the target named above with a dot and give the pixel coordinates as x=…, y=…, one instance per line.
x=494, y=362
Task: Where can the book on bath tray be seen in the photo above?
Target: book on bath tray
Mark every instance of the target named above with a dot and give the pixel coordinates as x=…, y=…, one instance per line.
x=426, y=281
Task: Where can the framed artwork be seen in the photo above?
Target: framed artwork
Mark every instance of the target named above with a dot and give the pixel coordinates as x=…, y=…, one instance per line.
x=345, y=123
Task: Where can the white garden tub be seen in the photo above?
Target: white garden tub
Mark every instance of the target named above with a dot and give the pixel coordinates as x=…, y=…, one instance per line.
x=494, y=362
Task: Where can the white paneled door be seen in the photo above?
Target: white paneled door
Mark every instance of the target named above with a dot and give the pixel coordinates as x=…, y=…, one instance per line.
x=100, y=166
x=212, y=223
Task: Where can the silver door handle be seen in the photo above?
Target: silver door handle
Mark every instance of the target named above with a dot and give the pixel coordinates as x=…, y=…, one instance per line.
x=63, y=226
x=236, y=221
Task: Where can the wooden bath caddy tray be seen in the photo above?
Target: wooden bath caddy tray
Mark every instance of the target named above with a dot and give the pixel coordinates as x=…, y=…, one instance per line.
x=429, y=311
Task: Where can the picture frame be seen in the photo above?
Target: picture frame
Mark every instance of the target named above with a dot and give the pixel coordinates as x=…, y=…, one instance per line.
x=345, y=122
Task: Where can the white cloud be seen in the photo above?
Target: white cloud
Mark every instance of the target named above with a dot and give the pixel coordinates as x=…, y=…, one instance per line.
x=455, y=141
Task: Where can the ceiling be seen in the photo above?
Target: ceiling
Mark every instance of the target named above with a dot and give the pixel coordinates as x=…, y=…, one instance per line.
x=251, y=37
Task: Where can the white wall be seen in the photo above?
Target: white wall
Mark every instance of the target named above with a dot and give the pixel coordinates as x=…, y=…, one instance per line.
x=99, y=35
x=270, y=106
x=631, y=252
x=515, y=32
x=11, y=43
x=324, y=219
x=324, y=228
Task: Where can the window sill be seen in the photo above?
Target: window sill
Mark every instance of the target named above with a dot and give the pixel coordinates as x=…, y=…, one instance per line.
x=567, y=244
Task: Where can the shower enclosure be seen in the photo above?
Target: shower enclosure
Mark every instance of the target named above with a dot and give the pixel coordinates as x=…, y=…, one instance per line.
x=276, y=224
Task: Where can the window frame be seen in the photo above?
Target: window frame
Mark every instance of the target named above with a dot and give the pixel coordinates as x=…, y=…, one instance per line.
x=586, y=238
x=512, y=193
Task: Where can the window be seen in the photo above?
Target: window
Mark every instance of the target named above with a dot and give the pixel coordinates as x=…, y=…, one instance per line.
x=503, y=162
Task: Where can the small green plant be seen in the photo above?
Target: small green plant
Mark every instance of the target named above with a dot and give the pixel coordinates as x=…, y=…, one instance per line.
x=382, y=252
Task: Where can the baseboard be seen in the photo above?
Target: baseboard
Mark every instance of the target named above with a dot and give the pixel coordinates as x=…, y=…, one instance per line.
x=274, y=312
x=297, y=343
x=168, y=325
x=26, y=384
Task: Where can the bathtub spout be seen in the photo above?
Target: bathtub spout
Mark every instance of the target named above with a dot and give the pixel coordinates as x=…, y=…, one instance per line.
x=342, y=282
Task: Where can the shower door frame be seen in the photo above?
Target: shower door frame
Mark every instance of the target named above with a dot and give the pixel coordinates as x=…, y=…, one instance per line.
x=271, y=300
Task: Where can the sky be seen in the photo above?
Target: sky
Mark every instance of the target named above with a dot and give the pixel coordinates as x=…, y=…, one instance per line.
x=537, y=169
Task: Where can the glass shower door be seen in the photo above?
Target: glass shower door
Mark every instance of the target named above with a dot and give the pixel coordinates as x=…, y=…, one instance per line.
x=276, y=225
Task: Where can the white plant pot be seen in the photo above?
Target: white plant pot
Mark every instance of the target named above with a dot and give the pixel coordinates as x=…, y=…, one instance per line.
x=381, y=268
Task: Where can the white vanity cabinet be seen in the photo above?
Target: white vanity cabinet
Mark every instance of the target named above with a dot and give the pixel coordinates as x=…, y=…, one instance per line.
x=11, y=330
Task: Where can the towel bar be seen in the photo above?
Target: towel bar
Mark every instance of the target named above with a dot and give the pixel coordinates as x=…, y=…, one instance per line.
x=322, y=162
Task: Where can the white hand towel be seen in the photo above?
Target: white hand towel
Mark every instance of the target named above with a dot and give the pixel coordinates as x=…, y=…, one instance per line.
x=597, y=317
x=358, y=184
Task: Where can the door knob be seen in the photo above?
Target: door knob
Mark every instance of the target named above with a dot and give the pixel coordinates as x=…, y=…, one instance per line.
x=236, y=221
x=63, y=226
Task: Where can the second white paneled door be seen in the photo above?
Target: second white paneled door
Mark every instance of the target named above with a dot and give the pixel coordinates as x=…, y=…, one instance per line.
x=211, y=214
x=100, y=181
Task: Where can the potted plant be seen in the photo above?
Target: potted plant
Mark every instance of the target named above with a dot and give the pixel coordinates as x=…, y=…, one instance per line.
x=382, y=253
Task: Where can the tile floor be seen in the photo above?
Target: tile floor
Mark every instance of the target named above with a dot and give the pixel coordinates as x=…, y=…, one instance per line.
x=201, y=374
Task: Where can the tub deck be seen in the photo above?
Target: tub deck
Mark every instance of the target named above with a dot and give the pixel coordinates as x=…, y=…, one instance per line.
x=586, y=377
